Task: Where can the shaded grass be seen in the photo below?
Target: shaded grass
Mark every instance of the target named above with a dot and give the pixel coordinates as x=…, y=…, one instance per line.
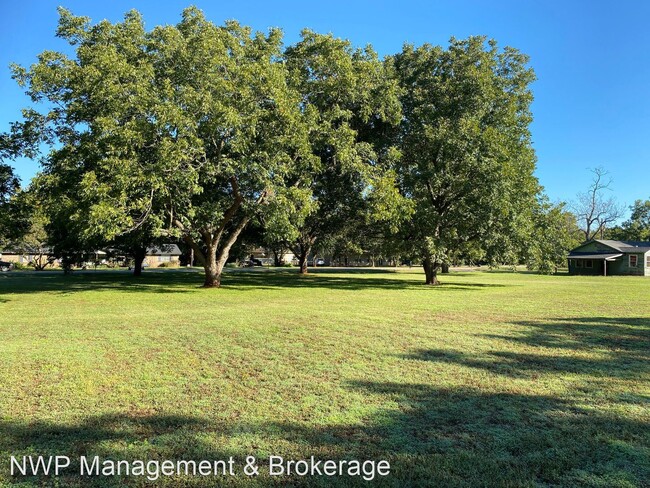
x=494, y=379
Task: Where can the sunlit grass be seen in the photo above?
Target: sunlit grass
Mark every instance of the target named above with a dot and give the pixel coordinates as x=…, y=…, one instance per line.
x=494, y=379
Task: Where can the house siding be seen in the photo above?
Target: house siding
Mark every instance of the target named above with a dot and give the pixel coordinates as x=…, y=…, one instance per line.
x=595, y=271
x=626, y=269
x=157, y=260
x=620, y=266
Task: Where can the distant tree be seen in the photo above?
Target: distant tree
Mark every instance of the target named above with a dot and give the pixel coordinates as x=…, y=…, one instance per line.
x=134, y=245
x=467, y=160
x=637, y=227
x=594, y=210
x=9, y=184
x=555, y=233
x=27, y=233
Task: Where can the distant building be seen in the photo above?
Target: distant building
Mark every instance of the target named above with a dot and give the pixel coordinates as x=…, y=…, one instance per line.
x=606, y=257
x=167, y=253
x=155, y=256
x=40, y=256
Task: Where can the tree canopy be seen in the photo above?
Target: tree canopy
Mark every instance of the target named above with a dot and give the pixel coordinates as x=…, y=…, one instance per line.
x=467, y=161
x=637, y=227
x=9, y=184
x=348, y=97
x=188, y=129
x=190, y=132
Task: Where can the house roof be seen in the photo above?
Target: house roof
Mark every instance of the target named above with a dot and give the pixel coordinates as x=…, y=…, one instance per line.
x=27, y=250
x=164, y=250
x=622, y=246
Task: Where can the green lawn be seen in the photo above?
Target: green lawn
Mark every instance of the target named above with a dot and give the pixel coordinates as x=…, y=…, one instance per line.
x=493, y=379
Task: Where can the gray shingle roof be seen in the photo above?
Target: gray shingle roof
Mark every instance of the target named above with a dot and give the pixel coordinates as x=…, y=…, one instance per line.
x=626, y=246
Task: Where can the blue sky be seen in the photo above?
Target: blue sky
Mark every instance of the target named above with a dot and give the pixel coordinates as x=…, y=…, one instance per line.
x=591, y=58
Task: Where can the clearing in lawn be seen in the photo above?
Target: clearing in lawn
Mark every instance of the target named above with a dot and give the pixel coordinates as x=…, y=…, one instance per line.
x=494, y=378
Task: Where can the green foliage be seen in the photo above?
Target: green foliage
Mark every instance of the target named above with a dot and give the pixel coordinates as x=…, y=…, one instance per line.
x=467, y=160
x=191, y=131
x=637, y=227
x=555, y=233
x=30, y=234
x=349, y=99
x=9, y=184
x=188, y=129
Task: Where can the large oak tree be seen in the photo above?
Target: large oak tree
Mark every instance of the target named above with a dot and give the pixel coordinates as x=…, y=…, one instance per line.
x=187, y=129
x=467, y=161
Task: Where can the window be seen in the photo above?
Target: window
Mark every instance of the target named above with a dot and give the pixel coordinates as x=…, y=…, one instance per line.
x=578, y=263
x=589, y=263
x=164, y=259
x=633, y=260
x=647, y=261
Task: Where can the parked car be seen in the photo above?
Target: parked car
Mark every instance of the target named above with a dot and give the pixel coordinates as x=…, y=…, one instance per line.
x=5, y=266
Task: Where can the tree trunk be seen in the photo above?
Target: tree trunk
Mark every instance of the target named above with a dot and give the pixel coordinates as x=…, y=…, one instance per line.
x=213, y=264
x=212, y=270
x=212, y=277
x=302, y=260
x=445, y=268
x=138, y=258
x=430, y=271
x=277, y=258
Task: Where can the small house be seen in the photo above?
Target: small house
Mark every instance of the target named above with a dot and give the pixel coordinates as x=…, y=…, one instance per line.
x=605, y=257
x=169, y=254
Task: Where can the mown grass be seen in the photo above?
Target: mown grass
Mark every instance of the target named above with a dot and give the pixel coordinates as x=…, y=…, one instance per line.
x=493, y=379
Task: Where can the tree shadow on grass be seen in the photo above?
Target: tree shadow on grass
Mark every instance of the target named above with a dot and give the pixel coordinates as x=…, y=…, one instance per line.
x=432, y=436
x=116, y=437
x=188, y=282
x=615, y=333
x=103, y=281
x=357, y=281
x=620, y=348
x=467, y=437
